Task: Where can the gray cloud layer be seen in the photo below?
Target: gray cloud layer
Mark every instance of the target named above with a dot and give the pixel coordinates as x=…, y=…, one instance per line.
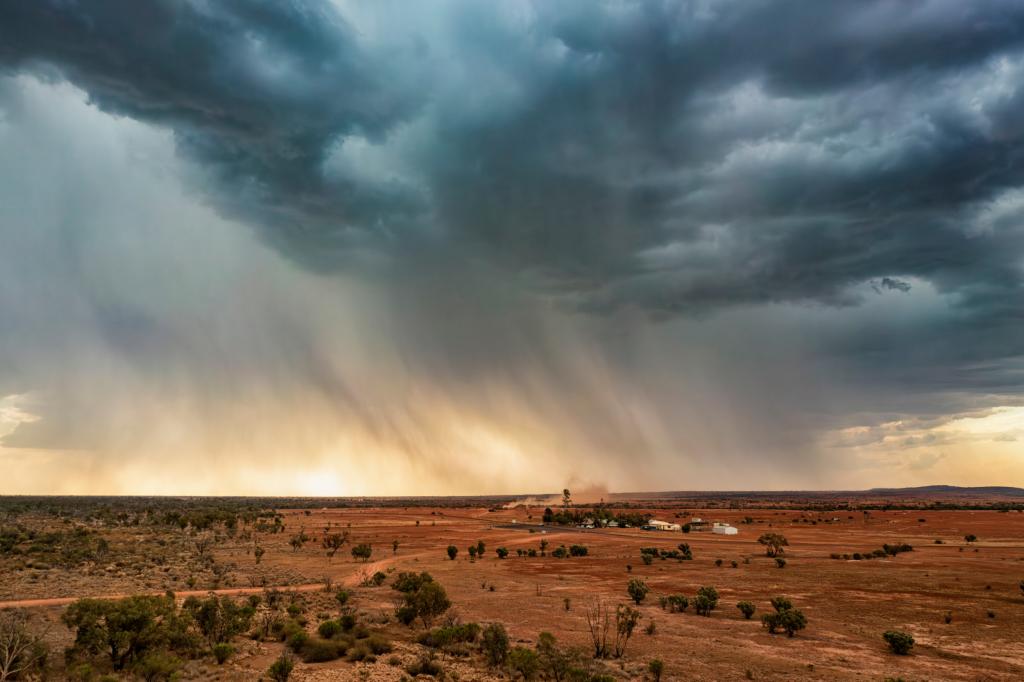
x=515, y=181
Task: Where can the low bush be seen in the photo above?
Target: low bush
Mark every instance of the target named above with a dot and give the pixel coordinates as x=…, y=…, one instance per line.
x=900, y=642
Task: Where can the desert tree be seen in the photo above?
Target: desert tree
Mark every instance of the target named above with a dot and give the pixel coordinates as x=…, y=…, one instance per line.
x=566, y=498
x=332, y=542
x=494, y=643
x=626, y=619
x=970, y=537
x=480, y=547
x=746, y=608
x=362, y=551
x=524, y=662
x=394, y=546
x=656, y=668
x=773, y=543
x=21, y=650
x=453, y=552
x=555, y=662
x=705, y=601
x=599, y=623
x=785, y=617
x=637, y=590
x=501, y=552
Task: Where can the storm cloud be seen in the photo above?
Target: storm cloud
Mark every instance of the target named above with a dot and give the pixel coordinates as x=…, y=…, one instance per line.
x=672, y=233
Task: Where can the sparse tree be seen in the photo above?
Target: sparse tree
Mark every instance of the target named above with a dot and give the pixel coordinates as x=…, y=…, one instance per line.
x=599, y=623
x=657, y=668
x=480, y=547
x=566, y=498
x=394, y=546
x=453, y=552
x=21, y=650
x=773, y=543
x=970, y=537
x=332, y=542
x=626, y=619
x=552, y=659
x=746, y=608
x=501, y=552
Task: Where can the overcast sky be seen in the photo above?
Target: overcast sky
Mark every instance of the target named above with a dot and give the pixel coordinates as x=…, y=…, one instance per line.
x=284, y=247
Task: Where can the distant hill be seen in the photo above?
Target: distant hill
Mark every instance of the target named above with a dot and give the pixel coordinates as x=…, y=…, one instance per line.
x=971, y=491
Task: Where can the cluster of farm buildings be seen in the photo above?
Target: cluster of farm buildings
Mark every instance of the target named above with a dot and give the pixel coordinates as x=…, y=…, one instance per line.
x=696, y=525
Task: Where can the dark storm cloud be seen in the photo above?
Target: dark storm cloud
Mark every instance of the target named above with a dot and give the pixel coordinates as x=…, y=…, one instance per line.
x=256, y=91
x=579, y=136
x=683, y=161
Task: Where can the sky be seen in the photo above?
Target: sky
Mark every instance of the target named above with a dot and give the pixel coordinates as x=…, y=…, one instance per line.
x=308, y=247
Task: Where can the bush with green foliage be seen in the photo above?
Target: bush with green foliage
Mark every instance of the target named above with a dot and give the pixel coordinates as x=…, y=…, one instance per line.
x=362, y=551
x=785, y=617
x=219, y=619
x=329, y=629
x=706, y=601
x=453, y=552
x=494, y=643
x=281, y=669
x=222, y=652
x=125, y=631
x=523, y=662
x=637, y=590
x=746, y=608
x=438, y=638
x=656, y=668
x=501, y=552
x=677, y=603
x=555, y=663
x=424, y=598
x=774, y=543
x=900, y=642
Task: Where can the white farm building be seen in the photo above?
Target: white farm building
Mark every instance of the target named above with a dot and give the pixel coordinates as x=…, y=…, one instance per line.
x=723, y=529
x=654, y=524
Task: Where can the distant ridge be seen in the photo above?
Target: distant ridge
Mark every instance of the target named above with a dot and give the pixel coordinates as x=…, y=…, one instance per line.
x=954, y=490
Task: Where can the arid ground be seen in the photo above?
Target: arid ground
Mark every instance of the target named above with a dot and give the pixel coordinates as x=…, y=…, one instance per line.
x=961, y=601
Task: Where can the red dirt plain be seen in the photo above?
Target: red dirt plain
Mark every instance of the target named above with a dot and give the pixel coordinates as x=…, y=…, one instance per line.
x=848, y=603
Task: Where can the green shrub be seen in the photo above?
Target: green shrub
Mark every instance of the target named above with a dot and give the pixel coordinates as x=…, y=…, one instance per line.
x=494, y=644
x=281, y=669
x=678, y=602
x=637, y=589
x=900, y=642
x=746, y=608
x=657, y=668
x=786, y=618
x=329, y=629
x=222, y=652
x=705, y=601
x=317, y=650
x=524, y=662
